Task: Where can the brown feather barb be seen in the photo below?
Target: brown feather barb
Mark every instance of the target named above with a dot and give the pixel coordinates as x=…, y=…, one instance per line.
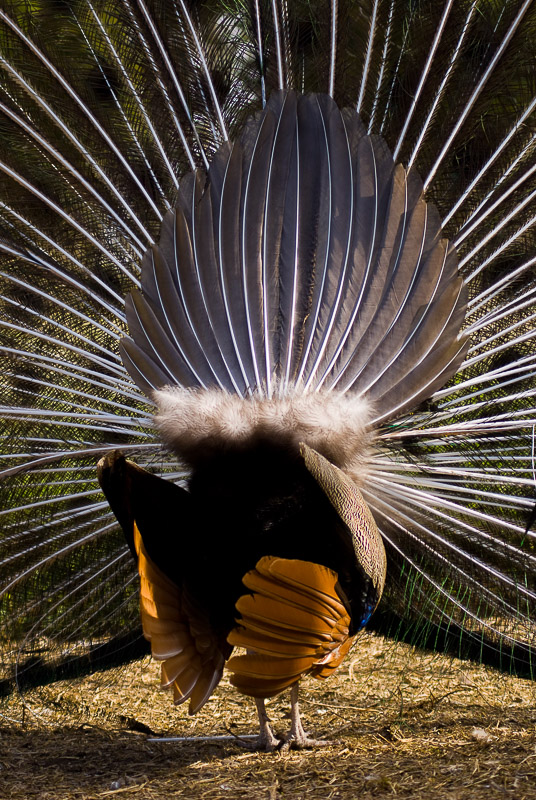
x=352, y=509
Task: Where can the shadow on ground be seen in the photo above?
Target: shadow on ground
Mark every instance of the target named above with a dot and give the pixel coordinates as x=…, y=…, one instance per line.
x=406, y=725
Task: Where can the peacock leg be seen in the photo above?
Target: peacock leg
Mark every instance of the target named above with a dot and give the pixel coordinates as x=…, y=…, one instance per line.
x=266, y=740
x=296, y=738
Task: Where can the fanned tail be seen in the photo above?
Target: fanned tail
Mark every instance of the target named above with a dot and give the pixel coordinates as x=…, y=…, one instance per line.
x=343, y=286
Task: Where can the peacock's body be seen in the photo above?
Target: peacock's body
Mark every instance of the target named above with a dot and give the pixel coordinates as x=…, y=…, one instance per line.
x=203, y=205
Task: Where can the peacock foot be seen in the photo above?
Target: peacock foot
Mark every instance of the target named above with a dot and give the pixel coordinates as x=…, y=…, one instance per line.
x=265, y=742
x=296, y=738
x=300, y=741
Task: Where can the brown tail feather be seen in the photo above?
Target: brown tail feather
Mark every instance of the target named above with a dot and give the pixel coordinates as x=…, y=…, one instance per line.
x=256, y=666
x=174, y=666
x=294, y=624
x=185, y=682
x=284, y=614
x=206, y=683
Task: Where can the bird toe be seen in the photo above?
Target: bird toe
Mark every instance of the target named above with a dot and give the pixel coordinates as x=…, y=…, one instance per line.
x=264, y=743
x=293, y=741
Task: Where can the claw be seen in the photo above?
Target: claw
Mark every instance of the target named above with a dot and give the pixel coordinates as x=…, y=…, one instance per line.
x=262, y=744
x=303, y=742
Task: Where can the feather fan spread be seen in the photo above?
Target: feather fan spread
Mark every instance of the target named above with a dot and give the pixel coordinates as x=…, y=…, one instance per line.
x=301, y=237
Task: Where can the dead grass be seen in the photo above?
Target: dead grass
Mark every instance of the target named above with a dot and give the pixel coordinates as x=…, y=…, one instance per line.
x=407, y=725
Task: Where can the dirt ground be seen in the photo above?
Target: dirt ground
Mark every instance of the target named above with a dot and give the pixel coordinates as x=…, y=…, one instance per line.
x=403, y=725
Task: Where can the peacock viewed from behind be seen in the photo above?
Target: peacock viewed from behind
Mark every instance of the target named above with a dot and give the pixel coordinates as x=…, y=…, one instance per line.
x=271, y=265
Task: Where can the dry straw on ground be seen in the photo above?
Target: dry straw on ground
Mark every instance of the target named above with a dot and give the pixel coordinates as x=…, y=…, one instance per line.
x=406, y=725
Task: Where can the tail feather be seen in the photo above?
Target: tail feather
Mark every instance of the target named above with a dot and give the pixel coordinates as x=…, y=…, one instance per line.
x=180, y=672
x=307, y=602
x=268, y=687
x=183, y=682
x=284, y=614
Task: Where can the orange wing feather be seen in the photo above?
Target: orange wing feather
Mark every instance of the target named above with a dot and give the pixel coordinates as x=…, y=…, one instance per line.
x=191, y=665
x=294, y=624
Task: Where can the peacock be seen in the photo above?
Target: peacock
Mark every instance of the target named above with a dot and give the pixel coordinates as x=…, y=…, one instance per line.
x=267, y=312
